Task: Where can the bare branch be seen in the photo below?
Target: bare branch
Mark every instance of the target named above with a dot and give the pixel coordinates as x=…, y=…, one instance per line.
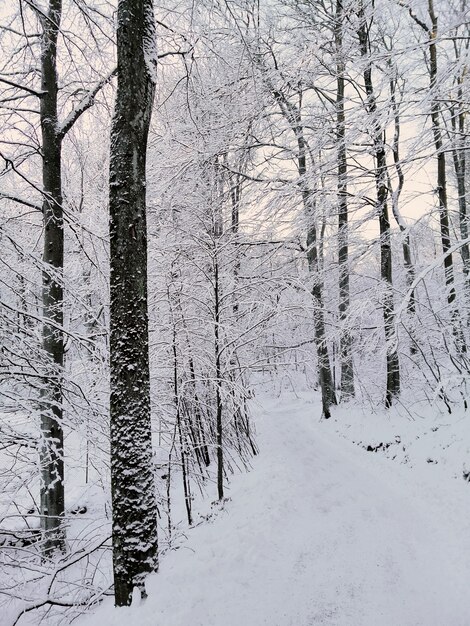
x=8, y=196
x=84, y=105
x=33, y=92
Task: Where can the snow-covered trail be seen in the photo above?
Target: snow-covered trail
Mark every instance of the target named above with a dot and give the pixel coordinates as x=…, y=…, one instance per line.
x=320, y=532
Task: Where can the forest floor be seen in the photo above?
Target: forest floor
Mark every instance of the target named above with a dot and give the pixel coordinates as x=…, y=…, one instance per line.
x=320, y=531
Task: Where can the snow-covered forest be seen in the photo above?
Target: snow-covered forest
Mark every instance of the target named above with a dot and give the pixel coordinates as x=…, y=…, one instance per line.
x=234, y=312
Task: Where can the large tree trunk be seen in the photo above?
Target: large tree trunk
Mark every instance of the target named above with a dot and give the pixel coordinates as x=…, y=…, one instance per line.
x=51, y=450
x=347, y=371
x=381, y=185
x=132, y=480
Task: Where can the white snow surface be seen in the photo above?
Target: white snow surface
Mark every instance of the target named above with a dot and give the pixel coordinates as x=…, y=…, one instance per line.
x=318, y=532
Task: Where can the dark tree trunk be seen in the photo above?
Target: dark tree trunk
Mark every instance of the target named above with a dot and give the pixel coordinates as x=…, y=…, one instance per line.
x=441, y=159
x=235, y=196
x=442, y=183
x=381, y=185
x=460, y=169
x=218, y=381
x=184, y=470
x=293, y=117
x=197, y=411
x=441, y=172
x=132, y=480
x=51, y=451
x=409, y=267
x=324, y=369
x=347, y=371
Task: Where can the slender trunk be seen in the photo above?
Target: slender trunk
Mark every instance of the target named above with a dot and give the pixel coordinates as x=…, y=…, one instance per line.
x=460, y=169
x=197, y=434
x=406, y=245
x=186, y=487
x=201, y=449
x=51, y=451
x=324, y=370
x=235, y=195
x=132, y=481
x=409, y=267
x=218, y=381
x=441, y=173
x=381, y=185
x=292, y=115
x=442, y=183
x=346, y=362
x=441, y=160
x=441, y=165
x=201, y=435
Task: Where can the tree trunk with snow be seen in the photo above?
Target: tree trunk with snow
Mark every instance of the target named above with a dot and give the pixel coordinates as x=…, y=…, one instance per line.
x=132, y=480
x=459, y=147
x=396, y=194
x=324, y=369
x=432, y=33
x=51, y=450
x=347, y=372
x=441, y=159
x=293, y=116
x=381, y=184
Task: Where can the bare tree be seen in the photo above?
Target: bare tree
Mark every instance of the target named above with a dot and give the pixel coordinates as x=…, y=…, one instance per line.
x=441, y=188
x=347, y=371
x=53, y=131
x=381, y=184
x=132, y=481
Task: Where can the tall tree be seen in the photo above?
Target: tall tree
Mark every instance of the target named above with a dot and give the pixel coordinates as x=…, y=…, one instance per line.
x=132, y=482
x=51, y=450
x=347, y=372
x=442, y=191
x=459, y=141
x=381, y=185
x=396, y=194
x=292, y=113
x=52, y=440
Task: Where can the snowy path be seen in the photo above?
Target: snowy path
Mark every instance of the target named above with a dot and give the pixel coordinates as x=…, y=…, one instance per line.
x=320, y=532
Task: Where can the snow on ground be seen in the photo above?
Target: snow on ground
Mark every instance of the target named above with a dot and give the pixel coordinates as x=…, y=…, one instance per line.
x=319, y=532
x=422, y=435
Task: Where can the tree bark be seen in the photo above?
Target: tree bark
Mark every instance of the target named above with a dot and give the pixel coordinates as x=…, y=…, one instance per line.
x=347, y=371
x=324, y=369
x=293, y=117
x=51, y=450
x=460, y=169
x=441, y=159
x=441, y=172
x=218, y=378
x=442, y=183
x=381, y=185
x=132, y=481
x=406, y=246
